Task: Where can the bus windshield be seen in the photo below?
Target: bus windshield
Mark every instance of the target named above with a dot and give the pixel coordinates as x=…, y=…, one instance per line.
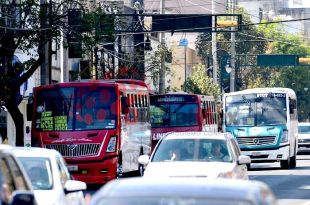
x=256, y=109
x=75, y=108
x=174, y=114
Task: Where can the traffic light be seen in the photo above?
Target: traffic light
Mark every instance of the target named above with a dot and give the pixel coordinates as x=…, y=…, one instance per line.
x=305, y=60
x=74, y=47
x=226, y=23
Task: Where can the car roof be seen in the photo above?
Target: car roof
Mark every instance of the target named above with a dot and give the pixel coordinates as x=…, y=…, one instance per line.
x=182, y=187
x=35, y=152
x=197, y=135
x=304, y=124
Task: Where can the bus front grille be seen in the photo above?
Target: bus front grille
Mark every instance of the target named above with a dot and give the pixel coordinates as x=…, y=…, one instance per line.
x=75, y=150
x=261, y=140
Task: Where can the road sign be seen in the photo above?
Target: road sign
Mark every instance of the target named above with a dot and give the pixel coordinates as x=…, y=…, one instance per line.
x=277, y=60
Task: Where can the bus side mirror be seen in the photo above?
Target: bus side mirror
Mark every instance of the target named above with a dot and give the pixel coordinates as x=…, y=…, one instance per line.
x=291, y=109
x=204, y=114
x=125, y=105
x=30, y=108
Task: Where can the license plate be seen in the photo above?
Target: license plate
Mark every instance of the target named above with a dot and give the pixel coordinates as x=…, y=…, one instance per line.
x=72, y=167
x=256, y=153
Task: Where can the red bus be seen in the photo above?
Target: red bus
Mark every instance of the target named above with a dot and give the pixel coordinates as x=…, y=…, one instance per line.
x=181, y=112
x=100, y=127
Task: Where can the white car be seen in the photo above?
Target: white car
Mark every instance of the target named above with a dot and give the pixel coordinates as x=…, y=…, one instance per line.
x=50, y=178
x=196, y=154
x=304, y=137
x=183, y=191
x=15, y=185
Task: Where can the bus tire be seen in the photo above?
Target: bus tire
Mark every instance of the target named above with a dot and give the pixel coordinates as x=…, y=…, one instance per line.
x=293, y=159
x=285, y=164
x=293, y=162
x=140, y=166
x=248, y=166
x=119, y=169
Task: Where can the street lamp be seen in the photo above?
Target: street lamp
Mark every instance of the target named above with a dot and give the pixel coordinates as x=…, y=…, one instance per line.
x=184, y=42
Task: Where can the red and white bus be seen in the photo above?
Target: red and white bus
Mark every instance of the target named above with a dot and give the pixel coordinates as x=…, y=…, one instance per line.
x=100, y=127
x=181, y=112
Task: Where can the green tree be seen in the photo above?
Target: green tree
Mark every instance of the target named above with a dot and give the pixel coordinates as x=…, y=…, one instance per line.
x=154, y=63
x=247, y=43
x=294, y=77
x=200, y=83
x=26, y=25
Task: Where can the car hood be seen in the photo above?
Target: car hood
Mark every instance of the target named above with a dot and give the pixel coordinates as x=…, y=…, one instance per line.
x=187, y=169
x=303, y=136
x=47, y=197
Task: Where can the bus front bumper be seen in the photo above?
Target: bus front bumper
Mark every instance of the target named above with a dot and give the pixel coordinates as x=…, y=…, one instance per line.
x=94, y=172
x=274, y=155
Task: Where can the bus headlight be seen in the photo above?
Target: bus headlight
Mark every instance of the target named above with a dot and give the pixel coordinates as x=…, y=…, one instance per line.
x=284, y=137
x=112, y=144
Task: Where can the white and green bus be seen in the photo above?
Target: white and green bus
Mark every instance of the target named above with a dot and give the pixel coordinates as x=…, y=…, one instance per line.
x=264, y=122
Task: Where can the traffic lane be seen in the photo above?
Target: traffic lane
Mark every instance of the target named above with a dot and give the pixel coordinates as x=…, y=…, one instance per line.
x=290, y=186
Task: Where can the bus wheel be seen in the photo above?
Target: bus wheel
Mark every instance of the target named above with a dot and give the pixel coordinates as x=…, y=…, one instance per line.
x=285, y=163
x=140, y=166
x=293, y=160
x=119, y=169
x=248, y=166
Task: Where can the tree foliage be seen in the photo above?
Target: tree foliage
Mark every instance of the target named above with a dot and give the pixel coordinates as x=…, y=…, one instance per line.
x=200, y=83
x=26, y=26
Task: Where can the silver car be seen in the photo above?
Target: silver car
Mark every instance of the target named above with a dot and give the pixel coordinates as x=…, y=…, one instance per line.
x=303, y=137
x=183, y=191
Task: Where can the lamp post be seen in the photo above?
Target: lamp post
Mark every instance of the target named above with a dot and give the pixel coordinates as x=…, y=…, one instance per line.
x=184, y=42
x=220, y=64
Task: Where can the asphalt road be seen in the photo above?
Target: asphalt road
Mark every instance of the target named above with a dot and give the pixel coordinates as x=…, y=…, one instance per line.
x=291, y=187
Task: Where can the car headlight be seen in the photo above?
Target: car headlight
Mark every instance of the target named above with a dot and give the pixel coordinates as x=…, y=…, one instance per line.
x=228, y=175
x=284, y=137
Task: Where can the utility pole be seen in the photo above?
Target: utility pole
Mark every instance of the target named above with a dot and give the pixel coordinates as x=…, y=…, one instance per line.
x=162, y=70
x=45, y=69
x=138, y=42
x=233, y=51
x=214, y=46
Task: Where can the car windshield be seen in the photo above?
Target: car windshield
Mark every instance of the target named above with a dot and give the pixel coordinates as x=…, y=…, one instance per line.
x=304, y=129
x=192, y=150
x=39, y=171
x=171, y=201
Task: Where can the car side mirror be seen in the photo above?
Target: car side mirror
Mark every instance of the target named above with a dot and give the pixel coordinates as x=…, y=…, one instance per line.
x=74, y=186
x=23, y=197
x=244, y=160
x=144, y=159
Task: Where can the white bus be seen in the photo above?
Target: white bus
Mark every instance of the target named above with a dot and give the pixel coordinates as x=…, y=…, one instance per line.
x=264, y=122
